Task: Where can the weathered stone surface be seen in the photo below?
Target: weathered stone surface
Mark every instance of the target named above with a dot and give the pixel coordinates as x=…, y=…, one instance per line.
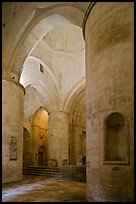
x=109, y=88
x=58, y=136
x=12, y=131
x=79, y=101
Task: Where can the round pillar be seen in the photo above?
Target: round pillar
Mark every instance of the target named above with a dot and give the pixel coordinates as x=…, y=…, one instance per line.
x=109, y=41
x=12, y=130
x=58, y=138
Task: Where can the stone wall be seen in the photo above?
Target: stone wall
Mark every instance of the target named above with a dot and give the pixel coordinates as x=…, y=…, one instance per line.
x=58, y=138
x=27, y=148
x=40, y=146
x=12, y=130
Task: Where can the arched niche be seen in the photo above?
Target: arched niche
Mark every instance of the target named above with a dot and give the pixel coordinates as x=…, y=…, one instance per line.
x=116, y=139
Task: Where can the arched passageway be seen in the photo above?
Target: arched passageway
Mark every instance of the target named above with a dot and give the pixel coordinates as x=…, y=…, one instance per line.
x=40, y=150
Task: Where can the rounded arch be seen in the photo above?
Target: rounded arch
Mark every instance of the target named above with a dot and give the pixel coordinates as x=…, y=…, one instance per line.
x=31, y=36
x=74, y=92
x=51, y=100
x=48, y=71
x=50, y=96
x=40, y=137
x=116, y=138
x=115, y=119
x=121, y=114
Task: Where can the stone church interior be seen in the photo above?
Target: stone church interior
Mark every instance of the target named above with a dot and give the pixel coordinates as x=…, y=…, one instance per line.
x=68, y=100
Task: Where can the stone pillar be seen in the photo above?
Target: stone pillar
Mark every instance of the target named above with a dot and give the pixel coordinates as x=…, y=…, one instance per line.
x=58, y=138
x=12, y=130
x=109, y=41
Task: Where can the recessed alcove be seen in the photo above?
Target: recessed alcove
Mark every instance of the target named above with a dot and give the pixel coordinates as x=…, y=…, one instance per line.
x=115, y=139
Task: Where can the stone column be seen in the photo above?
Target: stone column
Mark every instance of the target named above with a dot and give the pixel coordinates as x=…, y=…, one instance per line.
x=12, y=130
x=108, y=29
x=58, y=138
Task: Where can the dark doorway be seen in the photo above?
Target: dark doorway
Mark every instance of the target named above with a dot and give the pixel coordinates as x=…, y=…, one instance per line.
x=42, y=156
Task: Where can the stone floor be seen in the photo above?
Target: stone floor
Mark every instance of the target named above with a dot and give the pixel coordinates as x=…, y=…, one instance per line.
x=41, y=189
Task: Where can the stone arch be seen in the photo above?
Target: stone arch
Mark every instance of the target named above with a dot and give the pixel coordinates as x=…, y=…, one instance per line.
x=37, y=112
x=31, y=35
x=38, y=83
x=73, y=93
x=40, y=137
x=40, y=87
x=49, y=71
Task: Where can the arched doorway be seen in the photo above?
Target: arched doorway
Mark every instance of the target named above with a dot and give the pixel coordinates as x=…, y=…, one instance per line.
x=40, y=138
x=42, y=156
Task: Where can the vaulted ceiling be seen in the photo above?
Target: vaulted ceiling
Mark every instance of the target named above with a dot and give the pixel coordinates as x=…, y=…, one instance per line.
x=47, y=35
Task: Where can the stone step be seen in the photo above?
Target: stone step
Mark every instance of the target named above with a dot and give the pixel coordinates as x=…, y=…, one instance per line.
x=70, y=173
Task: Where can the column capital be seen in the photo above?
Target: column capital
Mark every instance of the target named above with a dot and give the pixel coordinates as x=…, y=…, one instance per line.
x=14, y=82
x=91, y=5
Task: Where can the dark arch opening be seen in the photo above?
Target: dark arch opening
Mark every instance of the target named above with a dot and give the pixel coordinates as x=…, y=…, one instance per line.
x=116, y=138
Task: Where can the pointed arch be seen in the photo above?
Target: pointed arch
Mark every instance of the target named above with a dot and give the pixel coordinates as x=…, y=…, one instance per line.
x=74, y=92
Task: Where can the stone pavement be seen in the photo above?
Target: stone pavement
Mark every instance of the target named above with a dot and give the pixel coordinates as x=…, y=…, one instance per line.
x=41, y=189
